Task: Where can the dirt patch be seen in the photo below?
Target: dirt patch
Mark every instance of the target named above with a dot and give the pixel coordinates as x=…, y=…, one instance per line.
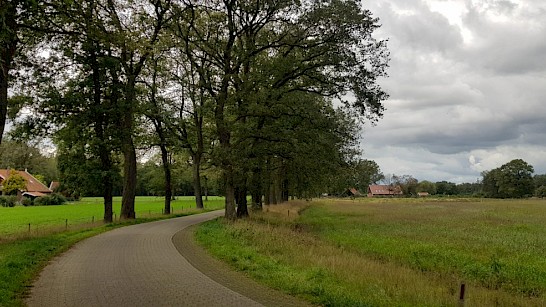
x=223, y=274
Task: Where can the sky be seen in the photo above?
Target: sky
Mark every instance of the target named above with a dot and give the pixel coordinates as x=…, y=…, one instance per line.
x=467, y=86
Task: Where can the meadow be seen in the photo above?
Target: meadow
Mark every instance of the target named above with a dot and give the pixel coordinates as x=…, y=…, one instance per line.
x=89, y=211
x=24, y=253
x=392, y=252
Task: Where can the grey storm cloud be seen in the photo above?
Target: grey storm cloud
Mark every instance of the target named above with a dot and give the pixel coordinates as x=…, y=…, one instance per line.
x=471, y=88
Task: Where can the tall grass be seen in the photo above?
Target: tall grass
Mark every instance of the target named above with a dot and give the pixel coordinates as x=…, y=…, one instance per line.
x=394, y=252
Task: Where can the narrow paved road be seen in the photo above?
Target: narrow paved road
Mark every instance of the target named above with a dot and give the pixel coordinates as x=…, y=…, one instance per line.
x=132, y=266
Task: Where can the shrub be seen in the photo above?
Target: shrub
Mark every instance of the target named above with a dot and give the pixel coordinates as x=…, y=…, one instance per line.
x=8, y=201
x=27, y=202
x=50, y=200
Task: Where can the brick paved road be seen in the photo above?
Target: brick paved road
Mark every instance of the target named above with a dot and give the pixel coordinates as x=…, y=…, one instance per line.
x=131, y=266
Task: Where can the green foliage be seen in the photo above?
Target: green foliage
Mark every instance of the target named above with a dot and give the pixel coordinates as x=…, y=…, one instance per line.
x=41, y=178
x=20, y=155
x=407, y=183
x=358, y=174
x=14, y=183
x=446, y=188
x=258, y=98
x=511, y=180
x=8, y=201
x=540, y=180
x=473, y=189
x=26, y=201
x=426, y=186
x=50, y=200
x=540, y=192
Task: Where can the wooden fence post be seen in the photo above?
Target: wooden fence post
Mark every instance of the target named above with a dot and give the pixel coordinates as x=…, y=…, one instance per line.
x=461, y=295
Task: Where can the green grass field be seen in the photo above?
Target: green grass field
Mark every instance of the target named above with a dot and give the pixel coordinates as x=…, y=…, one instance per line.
x=393, y=252
x=24, y=253
x=16, y=220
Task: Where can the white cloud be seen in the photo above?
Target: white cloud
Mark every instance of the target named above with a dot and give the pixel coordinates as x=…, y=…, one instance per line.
x=466, y=84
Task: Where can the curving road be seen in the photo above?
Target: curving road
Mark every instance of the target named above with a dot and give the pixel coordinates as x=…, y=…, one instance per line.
x=136, y=265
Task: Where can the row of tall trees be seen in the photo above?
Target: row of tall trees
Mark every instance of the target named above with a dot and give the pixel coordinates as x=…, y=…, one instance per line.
x=247, y=87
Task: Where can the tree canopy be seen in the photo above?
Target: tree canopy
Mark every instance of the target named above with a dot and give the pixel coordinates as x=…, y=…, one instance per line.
x=512, y=180
x=270, y=94
x=13, y=183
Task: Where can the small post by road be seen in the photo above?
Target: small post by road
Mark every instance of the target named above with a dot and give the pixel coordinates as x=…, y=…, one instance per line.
x=66, y=224
x=28, y=227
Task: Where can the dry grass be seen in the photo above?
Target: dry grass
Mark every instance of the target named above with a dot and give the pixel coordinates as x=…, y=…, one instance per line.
x=287, y=211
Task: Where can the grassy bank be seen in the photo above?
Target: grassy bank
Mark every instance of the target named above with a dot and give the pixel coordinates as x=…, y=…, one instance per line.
x=23, y=254
x=393, y=252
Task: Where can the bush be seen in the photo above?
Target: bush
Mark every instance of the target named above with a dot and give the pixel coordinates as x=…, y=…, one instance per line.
x=50, y=200
x=8, y=201
x=27, y=202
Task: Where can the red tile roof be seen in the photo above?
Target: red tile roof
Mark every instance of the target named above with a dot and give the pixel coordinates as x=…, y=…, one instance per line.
x=384, y=190
x=33, y=184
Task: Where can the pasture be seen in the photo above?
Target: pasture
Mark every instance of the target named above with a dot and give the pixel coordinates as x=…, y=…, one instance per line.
x=88, y=211
x=393, y=252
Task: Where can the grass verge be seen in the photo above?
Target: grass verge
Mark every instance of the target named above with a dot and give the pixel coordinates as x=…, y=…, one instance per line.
x=396, y=253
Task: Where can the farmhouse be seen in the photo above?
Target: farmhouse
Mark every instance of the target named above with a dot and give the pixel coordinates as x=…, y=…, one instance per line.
x=34, y=188
x=377, y=190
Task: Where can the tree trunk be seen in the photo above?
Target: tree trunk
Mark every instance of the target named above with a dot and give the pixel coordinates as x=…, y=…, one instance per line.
x=230, y=194
x=167, y=172
x=267, y=190
x=7, y=52
x=101, y=124
x=285, y=191
x=3, y=99
x=242, y=208
x=129, y=180
x=108, y=202
x=196, y=170
x=107, y=182
x=129, y=152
